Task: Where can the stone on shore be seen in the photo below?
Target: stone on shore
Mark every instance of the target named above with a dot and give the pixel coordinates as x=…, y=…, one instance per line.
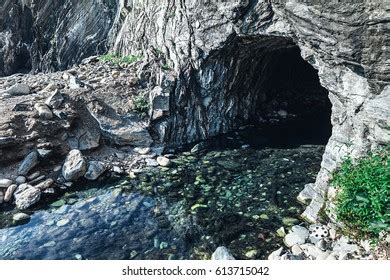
x=9, y=193
x=95, y=170
x=29, y=162
x=26, y=196
x=163, y=161
x=75, y=166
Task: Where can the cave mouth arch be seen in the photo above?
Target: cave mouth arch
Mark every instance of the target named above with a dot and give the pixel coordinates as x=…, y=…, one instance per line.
x=252, y=80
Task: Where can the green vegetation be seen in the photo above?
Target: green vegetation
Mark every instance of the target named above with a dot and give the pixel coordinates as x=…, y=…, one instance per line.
x=362, y=203
x=165, y=67
x=141, y=105
x=116, y=59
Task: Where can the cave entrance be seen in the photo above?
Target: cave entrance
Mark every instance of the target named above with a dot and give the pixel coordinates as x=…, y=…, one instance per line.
x=271, y=87
x=290, y=105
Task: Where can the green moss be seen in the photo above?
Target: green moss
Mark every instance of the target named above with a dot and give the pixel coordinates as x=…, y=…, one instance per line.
x=362, y=203
x=116, y=59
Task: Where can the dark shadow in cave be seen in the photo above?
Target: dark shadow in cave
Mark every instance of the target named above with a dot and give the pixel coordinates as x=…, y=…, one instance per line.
x=275, y=91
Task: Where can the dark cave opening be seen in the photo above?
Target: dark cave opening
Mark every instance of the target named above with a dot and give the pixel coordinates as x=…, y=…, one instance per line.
x=292, y=106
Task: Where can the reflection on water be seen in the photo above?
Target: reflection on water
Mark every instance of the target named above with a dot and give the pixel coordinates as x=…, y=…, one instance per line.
x=236, y=196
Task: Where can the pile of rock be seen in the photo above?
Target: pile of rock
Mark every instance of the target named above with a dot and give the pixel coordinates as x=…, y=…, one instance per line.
x=320, y=242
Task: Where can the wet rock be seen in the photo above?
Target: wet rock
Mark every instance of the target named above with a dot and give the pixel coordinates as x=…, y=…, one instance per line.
x=9, y=193
x=29, y=162
x=1, y=197
x=26, y=196
x=20, y=217
x=298, y=235
x=222, y=253
x=55, y=100
x=44, y=111
x=62, y=222
x=75, y=166
x=95, y=170
x=163, y=161
x=18, y=89
x=5, y=183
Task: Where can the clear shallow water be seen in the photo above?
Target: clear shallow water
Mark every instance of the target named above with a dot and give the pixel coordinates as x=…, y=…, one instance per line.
x=231, y=196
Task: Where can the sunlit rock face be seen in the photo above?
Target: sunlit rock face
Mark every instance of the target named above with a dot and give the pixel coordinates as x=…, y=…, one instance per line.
x=216, y=48
x=52, y=35
x=221, y=57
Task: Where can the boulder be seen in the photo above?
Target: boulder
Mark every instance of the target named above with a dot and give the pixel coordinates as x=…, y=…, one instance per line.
x=75, y=166
x=26, y=196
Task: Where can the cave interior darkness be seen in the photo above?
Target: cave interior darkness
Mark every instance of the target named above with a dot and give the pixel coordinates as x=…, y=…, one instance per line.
x=278, y=90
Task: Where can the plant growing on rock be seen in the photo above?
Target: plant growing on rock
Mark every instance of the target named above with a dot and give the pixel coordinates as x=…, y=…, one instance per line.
x=362, y=202
x=116, y=59
x=141, y=105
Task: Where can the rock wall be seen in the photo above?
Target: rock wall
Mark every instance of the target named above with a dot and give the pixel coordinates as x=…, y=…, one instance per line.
x=43, y=35
x=213, y=58
x=206, y=45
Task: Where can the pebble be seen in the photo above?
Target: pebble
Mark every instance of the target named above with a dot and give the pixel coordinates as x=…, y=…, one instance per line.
x=163, y=161
x=251, y=254
x=10, y=192
x=19, y=217
x=20, y=180
x=62, y=222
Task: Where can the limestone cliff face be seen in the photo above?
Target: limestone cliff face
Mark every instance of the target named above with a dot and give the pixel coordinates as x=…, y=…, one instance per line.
x=217, y=48
x=219, y=54
x=52, y=35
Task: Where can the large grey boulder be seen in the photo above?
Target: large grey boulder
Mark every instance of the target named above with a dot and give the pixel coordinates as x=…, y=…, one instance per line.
x=75, y=166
